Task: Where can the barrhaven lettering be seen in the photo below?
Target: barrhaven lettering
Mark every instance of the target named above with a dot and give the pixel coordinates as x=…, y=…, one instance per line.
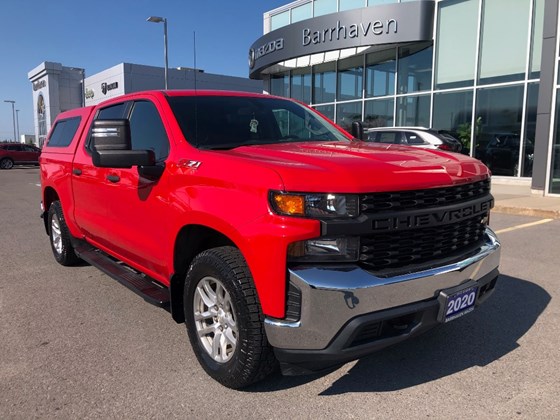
x=338, y=32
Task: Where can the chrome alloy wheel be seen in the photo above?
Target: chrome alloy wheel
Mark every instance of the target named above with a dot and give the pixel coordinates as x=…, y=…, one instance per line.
x=56, y=234
x=215, y=319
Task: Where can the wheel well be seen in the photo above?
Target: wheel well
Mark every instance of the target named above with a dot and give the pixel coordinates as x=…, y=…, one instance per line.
x=190, y=242
x=49, y=195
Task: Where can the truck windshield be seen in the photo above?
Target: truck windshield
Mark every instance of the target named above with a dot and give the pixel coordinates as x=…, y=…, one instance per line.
x=226, y=122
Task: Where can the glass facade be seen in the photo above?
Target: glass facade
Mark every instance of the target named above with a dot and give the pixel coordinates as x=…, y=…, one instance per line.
x=453, y=113
x=456, y=46
x=414, y=73
x=555, y=166
x=381, y=69
x=499, y=114
x=499, y=62
x=478, y=80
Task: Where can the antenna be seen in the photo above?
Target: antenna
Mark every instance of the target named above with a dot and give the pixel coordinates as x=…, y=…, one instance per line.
x=194, y=58
x=195, y=92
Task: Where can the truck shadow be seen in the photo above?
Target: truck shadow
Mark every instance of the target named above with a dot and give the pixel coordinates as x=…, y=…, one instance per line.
x=478, y=339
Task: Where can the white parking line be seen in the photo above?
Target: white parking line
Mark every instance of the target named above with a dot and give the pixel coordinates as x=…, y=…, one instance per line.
x=526, y=225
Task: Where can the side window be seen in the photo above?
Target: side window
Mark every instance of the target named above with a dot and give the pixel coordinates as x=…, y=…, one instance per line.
x=389, y=137
x=63, y=132
x=113, y=112
x=147, y=130
x=413, y=138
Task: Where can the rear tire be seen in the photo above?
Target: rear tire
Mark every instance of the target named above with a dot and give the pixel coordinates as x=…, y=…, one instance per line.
x=59, y=236
x=224, y=319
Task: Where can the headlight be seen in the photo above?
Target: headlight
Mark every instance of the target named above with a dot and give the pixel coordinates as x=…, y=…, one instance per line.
x=325, y=249
x=315, y=206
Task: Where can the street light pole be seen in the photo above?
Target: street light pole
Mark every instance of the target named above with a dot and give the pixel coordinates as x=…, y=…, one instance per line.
x=158, y=19
x=17, y=123
x=13, y=115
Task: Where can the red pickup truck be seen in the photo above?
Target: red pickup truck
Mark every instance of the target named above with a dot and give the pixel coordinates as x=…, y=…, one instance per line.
x=277, y=237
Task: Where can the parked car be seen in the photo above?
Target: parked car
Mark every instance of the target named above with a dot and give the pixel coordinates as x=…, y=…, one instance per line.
x=18, y=154
x=502, y=154
x=414, y=136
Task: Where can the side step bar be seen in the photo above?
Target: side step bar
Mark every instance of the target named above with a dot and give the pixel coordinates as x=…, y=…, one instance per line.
x=139, y=283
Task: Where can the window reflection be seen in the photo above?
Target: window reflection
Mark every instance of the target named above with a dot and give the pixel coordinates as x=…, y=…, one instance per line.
x=415, y=68
x=555, y=167
x=301, y=85
x=324, y=82
x=323, y=7
x=347, y=113
x=379, y=113
x=279, y=84
x=499, y=62
x=498, y=114
x=350, y=73
x=380, y=73
x=530, y=129
x=453, y=113
x=279, y=20
x=326, y=110
x=413, y=111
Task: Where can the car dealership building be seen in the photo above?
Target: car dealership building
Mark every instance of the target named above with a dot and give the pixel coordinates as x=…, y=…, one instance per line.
x=485, y=71
x=58, y=88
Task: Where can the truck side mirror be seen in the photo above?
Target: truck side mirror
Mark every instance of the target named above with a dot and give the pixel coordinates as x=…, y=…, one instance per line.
x=357, y=130
x=111, y=135
x=112, y=146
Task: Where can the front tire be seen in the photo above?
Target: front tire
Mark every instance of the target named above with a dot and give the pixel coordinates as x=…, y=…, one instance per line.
x=59, y=235
x=224, y=319
x=6, y=163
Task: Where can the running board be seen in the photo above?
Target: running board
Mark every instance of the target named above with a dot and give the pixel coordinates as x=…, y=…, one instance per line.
x=139, y=283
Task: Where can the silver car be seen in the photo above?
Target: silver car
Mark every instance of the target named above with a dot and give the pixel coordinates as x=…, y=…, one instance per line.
x=413, y=136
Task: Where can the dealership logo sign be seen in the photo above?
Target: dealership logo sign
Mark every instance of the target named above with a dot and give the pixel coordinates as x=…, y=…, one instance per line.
x=38, y=85
x=265, y=49
x=107, y=87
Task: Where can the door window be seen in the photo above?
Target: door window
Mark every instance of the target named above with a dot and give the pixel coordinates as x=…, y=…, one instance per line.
x=147, y=130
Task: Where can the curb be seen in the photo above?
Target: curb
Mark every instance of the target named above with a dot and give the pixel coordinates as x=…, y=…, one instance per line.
x=526, y=211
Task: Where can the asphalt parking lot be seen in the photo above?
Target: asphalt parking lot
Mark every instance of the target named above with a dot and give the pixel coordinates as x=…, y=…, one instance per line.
x=76, y=344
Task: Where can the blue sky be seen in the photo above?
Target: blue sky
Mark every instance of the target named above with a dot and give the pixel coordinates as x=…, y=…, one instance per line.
x=99, y=34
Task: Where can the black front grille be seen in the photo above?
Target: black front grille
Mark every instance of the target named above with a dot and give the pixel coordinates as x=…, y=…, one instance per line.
x=417, y=245
x=398, y=249
x=421, y=199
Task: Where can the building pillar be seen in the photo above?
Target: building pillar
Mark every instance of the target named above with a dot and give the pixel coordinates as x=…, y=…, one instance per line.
x=545, y=107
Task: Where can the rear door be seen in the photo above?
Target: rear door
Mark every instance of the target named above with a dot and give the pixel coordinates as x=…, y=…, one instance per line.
x=30, y=154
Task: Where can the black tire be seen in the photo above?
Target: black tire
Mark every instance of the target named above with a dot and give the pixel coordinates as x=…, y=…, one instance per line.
x=6, y=163
x=245, y=355
x=59, y=236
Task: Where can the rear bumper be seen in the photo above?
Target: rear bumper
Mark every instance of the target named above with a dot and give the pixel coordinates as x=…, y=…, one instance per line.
x=347, y=312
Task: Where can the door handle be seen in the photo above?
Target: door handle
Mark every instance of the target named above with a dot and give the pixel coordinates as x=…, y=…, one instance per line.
x=77, y=171
x=113, y=178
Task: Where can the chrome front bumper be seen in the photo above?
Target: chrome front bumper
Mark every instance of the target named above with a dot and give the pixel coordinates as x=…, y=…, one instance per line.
x=331, y=296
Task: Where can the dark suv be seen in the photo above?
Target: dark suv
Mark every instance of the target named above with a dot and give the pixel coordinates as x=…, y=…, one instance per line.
x=18, y=154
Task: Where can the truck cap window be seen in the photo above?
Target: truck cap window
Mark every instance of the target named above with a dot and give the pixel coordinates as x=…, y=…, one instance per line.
x=226, y=122
x=63, y=132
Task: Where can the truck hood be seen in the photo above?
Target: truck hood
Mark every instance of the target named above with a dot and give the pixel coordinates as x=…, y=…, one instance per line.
x=361, y=167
